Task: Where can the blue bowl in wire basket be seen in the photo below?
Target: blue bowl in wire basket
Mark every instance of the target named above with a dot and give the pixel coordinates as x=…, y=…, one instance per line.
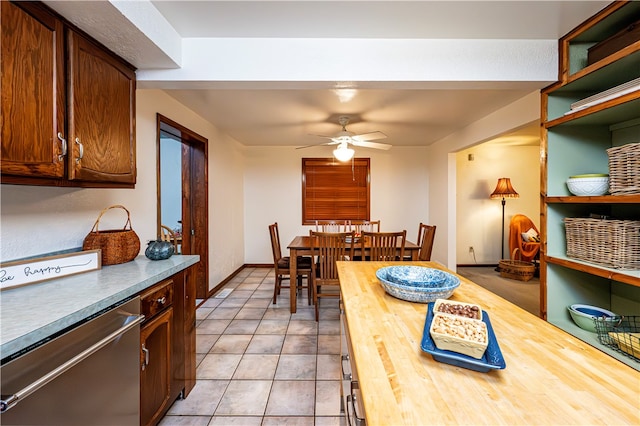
x=417, y=291
x=584, y=315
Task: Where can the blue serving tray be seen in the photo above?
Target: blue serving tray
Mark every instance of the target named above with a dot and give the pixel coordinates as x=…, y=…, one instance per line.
x=491, y=360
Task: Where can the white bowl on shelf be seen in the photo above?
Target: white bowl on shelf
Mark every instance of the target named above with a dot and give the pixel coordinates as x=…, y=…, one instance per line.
x=589, y=184
x=584, y=315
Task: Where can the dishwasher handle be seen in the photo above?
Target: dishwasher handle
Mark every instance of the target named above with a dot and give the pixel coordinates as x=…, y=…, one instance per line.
x=9, y=401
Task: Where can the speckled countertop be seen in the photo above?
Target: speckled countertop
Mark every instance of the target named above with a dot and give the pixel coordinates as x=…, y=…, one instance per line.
x=34, y=312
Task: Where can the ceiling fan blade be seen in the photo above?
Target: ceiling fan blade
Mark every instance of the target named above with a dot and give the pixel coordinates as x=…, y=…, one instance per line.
x=372, y=136
x=319, y=144
x=320, y=136
x=375, y=145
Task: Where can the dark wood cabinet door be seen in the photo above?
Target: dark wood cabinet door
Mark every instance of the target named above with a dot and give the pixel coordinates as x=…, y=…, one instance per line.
x=155, y=367
x=101, y=114
x=184, y=321
x=33, y=95
x=189, y=330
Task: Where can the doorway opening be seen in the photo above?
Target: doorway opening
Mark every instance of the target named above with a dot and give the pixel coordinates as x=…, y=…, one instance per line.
x=182, y=193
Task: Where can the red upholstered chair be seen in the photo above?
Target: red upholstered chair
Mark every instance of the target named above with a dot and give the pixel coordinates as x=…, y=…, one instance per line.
x=519, y=248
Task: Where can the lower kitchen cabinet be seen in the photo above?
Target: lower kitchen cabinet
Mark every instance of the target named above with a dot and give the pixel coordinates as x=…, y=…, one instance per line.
x=155, y=367
x=351, y=401
x=167, y=345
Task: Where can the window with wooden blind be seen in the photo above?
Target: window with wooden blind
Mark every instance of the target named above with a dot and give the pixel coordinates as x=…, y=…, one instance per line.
x=332, y=190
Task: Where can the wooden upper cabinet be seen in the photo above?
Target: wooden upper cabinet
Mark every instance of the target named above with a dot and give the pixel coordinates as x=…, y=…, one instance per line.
x=101, y=114
x=68, y=104
x=33, y=94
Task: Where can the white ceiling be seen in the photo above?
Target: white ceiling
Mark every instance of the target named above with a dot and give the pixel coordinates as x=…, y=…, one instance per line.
x=408, y=112
x=475, y=19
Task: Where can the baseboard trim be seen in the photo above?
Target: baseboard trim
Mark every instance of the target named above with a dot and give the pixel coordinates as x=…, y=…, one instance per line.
x=222, y=283
x=477, y=265
x=257, y=265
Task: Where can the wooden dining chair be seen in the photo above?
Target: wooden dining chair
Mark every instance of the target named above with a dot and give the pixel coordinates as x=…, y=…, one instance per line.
x=281, y=267
x=167, y=234
x=358, y=226
x=328, y=247
x=426, y=236
x=383, y=246
x=331, y=226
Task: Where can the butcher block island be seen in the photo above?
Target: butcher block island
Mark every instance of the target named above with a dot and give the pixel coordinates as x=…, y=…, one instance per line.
x=548, y=376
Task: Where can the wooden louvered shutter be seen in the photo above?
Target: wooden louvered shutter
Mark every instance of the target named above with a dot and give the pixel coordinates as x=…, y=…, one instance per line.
x=332, y=190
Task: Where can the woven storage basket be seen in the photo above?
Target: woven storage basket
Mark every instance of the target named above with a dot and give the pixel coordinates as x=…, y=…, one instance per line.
x=624, y=169
x=610, y=243
x=516, y=269
x=117, y=245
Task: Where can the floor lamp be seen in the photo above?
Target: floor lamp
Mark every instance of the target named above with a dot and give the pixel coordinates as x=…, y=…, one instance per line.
x=504, y=190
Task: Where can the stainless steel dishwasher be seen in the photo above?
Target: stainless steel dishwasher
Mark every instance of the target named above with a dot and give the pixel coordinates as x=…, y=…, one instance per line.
x=89, y=375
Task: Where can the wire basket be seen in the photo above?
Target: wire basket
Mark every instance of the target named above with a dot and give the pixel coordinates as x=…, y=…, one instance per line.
x=621, y=333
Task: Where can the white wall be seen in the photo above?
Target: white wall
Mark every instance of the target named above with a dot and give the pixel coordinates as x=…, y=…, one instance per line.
x=273, y=193
x=224, y=155
x=479, y=218
x=442, y=168
x=251, y=187
x=38, y=220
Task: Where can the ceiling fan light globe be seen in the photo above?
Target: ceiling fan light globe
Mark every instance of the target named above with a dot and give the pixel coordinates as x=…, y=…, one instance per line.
x=342, y=153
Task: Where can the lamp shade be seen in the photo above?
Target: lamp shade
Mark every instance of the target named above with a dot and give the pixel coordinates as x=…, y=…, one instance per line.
x=343, y=152
x=504, y=189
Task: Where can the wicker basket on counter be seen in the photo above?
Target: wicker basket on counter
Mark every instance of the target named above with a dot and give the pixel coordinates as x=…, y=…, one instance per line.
x=609, y=243
x=117, y=245
x=624, y=169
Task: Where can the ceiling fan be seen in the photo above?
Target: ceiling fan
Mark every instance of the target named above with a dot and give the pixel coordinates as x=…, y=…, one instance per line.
x=344, y=138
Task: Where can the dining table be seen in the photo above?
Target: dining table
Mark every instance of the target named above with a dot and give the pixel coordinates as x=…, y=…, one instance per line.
x=301, y=246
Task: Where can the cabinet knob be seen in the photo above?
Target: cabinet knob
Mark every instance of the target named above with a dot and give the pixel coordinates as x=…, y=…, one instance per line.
x=81, y=147
x=162, y=300
x=64, y=146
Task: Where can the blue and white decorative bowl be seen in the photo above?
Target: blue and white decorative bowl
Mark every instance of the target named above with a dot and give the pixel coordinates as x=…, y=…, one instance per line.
x=416, y=275
x=584, y=315
x=421, y=293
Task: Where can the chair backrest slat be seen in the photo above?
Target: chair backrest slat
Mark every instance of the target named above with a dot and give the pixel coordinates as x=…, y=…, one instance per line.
x=426, y=236
x=330, y=247
x=383, y=246
x=167, y=234
x=331, y=226
x=275, y=242
x=360, y=226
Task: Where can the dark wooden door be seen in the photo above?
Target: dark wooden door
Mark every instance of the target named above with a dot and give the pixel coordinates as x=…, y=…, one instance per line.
x=101, y=114
x=194, y=190
x=33, y=95
x=195, y=206
x=155, y=370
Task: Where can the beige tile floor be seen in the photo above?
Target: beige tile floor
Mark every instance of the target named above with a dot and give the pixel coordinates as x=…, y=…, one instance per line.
x=258, y=364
